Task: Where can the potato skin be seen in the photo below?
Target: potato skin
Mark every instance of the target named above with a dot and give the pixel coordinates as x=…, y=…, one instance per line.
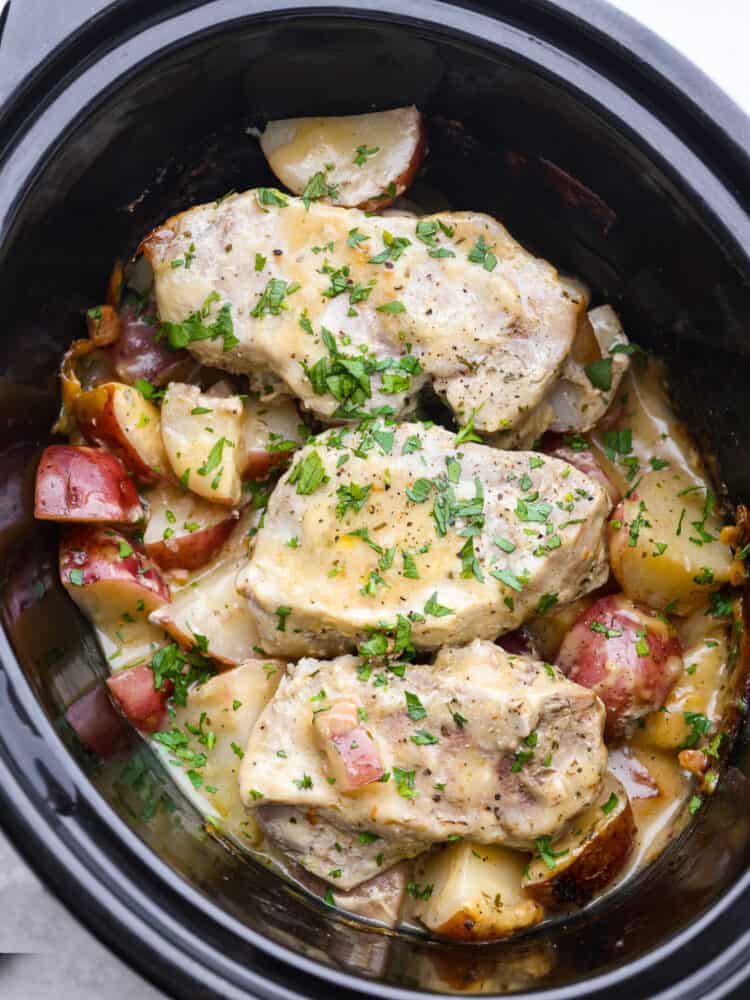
x=629, y=657
x=598, y=863
x=191, y=551
x=85, y=485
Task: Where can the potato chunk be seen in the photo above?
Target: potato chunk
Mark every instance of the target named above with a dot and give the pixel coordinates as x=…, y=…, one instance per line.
x=202, y=436
x=584, y=861
x=473, y=893
x=664, y=544
x=117, y=416
x=358, y=161
x=702, y=691
x=227, y=707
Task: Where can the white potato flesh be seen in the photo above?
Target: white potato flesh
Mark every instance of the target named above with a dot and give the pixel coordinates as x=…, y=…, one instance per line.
x=489, y=728
x=474, y=893
x=117, y=416
x=183, y=531
x=315, y=556
x=490, y=332
x=227, y=707
x=666, y=551
x=370, y=159
x=210, y=605
x=203, y=440
x=270, y=433
x=657, y=436
x=704, y=687
x=578, y=403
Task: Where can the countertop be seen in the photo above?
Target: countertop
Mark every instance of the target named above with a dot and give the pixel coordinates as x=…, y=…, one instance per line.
x=44, y=953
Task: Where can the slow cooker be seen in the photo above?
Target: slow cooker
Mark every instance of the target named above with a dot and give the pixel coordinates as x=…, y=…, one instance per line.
x=602, y=150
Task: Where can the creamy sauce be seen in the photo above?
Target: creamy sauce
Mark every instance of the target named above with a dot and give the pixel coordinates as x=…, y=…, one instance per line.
x=658, y=787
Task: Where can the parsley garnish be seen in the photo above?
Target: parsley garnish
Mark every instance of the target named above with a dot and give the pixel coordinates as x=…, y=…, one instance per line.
x=317, y=187
x=480, y=253
x=414, y=707
x=308, y=474
x=271, y=299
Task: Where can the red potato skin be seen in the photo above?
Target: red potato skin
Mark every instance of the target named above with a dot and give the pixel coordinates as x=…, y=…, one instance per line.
x=351, y=751
x=133, y=692
x=96, y=418
x=405, y=178
x=97, y=725
x=84, y=485
x=136, y=354
x=585, y=462
x=631, y=686
x=359, y=756
x=636, y=779
x=191, y=551
x=96, y=553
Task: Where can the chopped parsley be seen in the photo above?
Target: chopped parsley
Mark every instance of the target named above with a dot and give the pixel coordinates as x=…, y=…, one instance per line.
x=271, y=299
x=480, y=253
x=414, y=707
x=308, y=474
x=547, y=854
x=180, y=335
x=317, y=187
x=282, y=613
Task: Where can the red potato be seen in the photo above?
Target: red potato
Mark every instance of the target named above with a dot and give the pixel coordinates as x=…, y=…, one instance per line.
x=374, y=156
x=213, y=608
x=589, y=856
x=202, y=437
x=269, y=434
x=133, y=692
x=85, y=485
x=117, y=416
x=585, y=461
x=353, y=756
x=665, y=547
x=137, y=354
x=183, y=531
x=628, y=656
x=97, y=725
x=108, y=577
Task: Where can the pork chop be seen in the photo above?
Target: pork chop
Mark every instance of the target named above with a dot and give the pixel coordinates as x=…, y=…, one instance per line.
x=405, y=522
x=495, y=748
x=350, y=312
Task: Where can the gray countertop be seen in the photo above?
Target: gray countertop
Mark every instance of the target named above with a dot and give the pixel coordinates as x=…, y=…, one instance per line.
x=44, y=953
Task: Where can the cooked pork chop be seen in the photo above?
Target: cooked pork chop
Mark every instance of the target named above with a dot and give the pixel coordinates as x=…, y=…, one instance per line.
x=349, y=312
x=495, y=748
x=462, y=540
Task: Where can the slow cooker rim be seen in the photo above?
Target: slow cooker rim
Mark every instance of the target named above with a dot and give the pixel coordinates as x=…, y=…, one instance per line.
x=19, y=825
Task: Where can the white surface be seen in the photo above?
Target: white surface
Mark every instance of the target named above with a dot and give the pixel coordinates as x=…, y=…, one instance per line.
x=712, y=33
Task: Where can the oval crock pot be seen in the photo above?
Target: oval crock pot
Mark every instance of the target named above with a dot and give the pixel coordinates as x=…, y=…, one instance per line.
x=602, y=150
